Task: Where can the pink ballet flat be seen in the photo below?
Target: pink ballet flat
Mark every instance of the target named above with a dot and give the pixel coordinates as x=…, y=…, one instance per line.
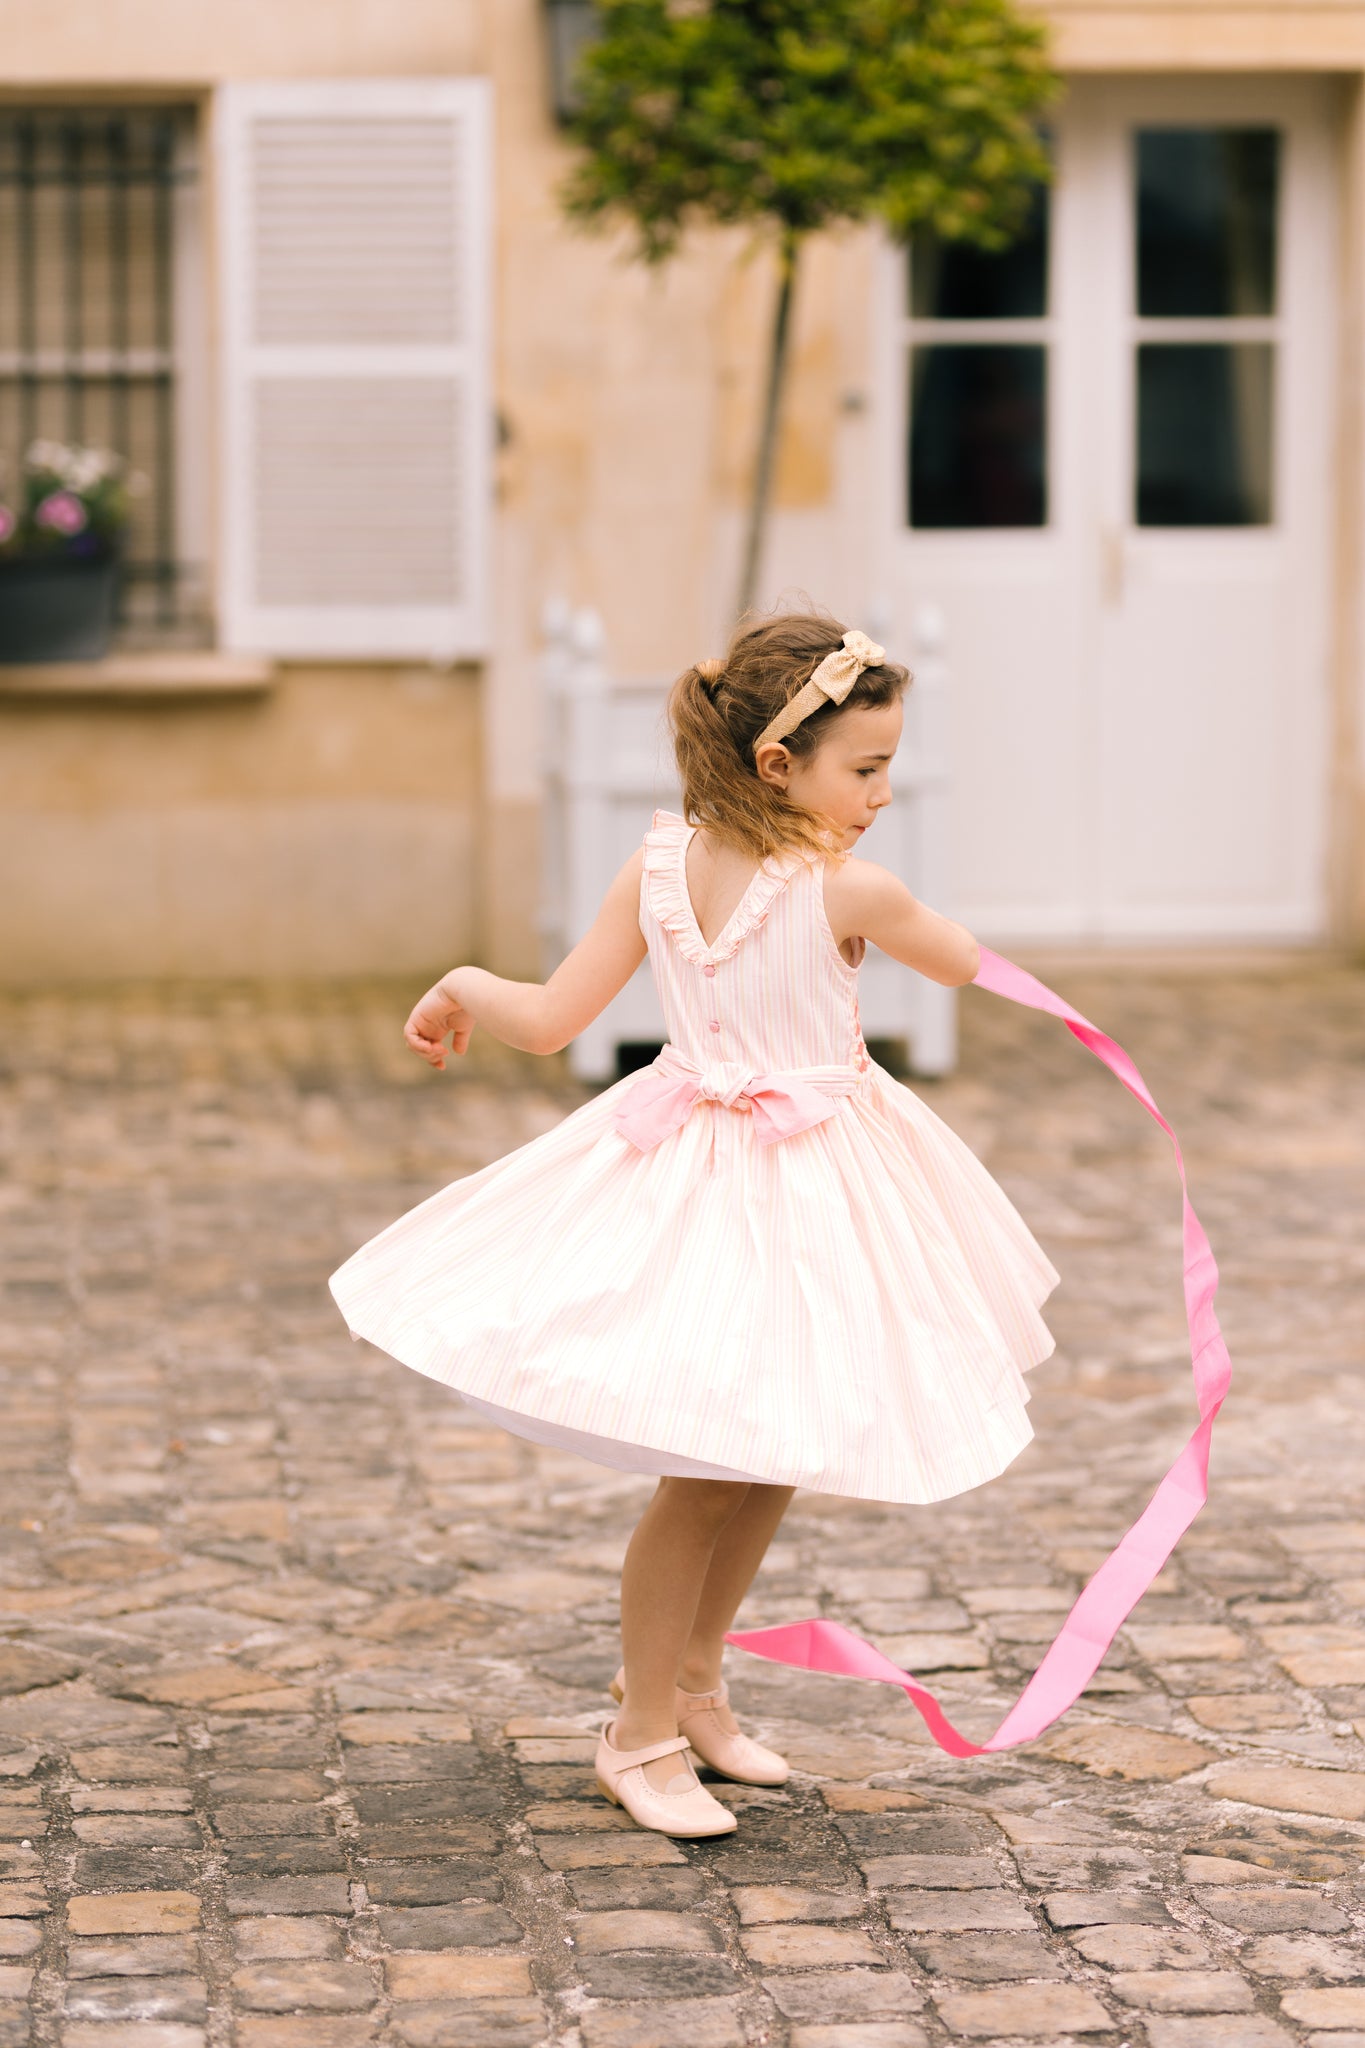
x=684, y=1807
x=733, y=1756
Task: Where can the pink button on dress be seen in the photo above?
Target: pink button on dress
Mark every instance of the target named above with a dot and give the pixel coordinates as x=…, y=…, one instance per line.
x=761, y=1259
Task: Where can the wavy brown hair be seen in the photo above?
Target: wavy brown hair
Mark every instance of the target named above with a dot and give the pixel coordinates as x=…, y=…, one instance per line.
x=718, y=709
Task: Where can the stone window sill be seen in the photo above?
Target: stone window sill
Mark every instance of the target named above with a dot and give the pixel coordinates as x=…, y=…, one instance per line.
x=156, y=675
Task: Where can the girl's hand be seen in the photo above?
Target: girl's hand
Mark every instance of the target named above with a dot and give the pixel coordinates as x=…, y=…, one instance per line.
x=435, y=1018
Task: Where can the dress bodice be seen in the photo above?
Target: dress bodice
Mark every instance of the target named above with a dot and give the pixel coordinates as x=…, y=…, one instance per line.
x=772, y=991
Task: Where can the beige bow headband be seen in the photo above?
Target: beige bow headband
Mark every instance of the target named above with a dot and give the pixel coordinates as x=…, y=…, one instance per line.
x=830, y=684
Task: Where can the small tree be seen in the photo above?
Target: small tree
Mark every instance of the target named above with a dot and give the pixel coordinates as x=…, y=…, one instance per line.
x=794, y=115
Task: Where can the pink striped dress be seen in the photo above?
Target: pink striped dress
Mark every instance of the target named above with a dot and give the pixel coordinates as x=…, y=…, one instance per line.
x=762, y=1258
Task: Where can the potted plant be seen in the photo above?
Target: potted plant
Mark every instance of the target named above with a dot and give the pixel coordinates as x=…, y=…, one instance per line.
x=60, y=540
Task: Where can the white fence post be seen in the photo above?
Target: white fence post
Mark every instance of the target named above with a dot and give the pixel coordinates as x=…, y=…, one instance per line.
x=608, y=765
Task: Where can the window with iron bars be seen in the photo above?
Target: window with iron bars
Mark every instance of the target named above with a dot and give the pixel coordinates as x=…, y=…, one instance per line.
x=101, y=342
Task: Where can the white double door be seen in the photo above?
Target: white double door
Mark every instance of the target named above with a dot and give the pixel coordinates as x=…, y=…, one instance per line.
x=1113, y=474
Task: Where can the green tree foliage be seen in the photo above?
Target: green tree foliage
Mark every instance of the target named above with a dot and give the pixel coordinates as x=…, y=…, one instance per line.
x=796, y=115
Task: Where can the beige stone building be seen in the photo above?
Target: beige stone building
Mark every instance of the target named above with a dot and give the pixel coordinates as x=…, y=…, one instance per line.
x=306, y=263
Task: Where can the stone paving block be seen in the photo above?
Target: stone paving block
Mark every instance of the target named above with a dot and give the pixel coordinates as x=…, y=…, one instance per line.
x=847, y=1994
x=258, y=1788
x=446, y=1883
x=857, y=2034
x=586, y=1852
x=658, y=1975
x=1097, y=1909
x=363, y=1730
x=138, y=1830
x=430, y=1838
x=1058, y=1868
x=248, y=1821
x=1026, y=2011
x=1217, y=2030
x=661, y=1890
x=137, y=1869
x=1255, y=1713
x=1183, y=1990
x=896, y=1833
x=957, y=1912
x=438, y=1927
x=302, y=2030
x=16, y=2027
x=19, y=1937
x=458, y=1977
x=808, y=1946
x=933, y=1873
x=1333, y=2006
x=128, y=2034
x=137, y=1998
x=134, y=1913
x=129, y=1799
x=1267, y=1909
x=15, y=1981
x=290, y=1985
x=986, y=1958
x=598, y=1934
x=1294, y=1956
x=1288, y=1788
x=146, y=1955
x=469, y=2023
x=272, y=1895
x=277, y=1937
x=1129, y=1753
x=762, y=1905
x=694, y=2023
x=1141, y=1948
x=565, y=1816
x=22, y=1902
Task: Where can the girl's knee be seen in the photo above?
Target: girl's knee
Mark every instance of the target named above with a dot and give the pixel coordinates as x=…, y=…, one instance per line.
x=712, y=1501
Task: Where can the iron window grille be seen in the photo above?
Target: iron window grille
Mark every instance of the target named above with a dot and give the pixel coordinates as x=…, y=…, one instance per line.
x=91, y=225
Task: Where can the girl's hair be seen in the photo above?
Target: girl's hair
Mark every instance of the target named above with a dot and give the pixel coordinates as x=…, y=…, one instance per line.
x=718, y=709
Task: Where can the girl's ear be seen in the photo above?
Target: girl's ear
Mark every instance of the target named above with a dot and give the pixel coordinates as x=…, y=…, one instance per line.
x=772, y=763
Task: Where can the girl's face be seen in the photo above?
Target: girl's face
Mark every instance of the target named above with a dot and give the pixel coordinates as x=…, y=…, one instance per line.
x=848, y=777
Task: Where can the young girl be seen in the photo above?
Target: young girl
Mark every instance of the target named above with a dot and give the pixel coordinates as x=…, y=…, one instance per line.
x=759, y=1264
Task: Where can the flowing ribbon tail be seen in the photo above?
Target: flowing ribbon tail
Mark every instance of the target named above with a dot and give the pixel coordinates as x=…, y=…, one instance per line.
x=1111, y=1595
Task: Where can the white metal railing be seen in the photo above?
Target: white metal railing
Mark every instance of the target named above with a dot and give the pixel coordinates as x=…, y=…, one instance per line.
x=608, y=763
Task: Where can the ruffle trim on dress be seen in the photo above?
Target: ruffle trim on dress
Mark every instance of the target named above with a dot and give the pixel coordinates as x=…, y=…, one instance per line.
x=665, y=855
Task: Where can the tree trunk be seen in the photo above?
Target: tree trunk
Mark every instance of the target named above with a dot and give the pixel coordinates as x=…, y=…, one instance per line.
x=788, y=250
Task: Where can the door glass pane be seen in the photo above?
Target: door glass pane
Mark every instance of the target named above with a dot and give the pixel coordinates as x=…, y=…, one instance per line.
x=954, y=281
x=978, y=435
x=1205, y=433
x=1206, y=207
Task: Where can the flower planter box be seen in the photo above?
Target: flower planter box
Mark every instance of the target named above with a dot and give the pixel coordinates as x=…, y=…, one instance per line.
x=58, y=609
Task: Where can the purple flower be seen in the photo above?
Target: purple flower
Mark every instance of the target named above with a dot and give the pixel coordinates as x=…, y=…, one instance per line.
x=8, y=522
x=63, y=512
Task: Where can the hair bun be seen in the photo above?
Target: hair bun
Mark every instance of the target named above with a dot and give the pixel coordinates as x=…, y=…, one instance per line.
x=711, y=670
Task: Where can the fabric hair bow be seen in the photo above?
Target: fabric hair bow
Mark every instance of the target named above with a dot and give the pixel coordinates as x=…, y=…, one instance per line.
x=830, y=684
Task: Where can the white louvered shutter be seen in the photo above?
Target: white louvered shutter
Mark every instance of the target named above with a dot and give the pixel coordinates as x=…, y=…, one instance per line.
x=355, y=286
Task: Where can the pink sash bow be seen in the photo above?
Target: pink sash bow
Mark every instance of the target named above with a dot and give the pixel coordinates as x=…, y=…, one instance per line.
x=663, y=1096
x=1111, y=1595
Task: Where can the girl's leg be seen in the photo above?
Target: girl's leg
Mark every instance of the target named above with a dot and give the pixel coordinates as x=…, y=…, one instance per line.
x=736, y=1558
x=665, y=1569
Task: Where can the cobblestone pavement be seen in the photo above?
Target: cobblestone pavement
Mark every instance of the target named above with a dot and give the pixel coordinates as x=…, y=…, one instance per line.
x=300, y=1660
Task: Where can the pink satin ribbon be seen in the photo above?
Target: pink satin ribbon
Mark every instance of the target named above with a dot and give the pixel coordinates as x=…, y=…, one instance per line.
x=664, y=1095
x=1123, y=1578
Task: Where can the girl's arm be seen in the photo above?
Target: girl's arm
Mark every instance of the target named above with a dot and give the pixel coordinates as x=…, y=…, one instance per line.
x=532, y=1016
x=865, y=901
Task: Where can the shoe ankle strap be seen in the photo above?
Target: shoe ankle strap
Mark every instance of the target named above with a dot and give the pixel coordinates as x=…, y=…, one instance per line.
x=648, y=1754
x=720, y=1693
